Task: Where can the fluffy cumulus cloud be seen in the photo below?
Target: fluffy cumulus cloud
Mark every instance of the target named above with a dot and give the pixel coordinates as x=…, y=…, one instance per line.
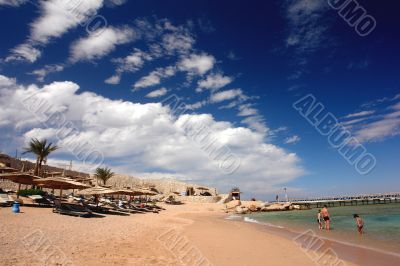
x=100, y=43
x=226, y=95
x=213, y=82
x=157, y=93
x=143, y=138
x=154, y=78
x=130, y=63
x=56, y=18
x=47, y=69
x=197, y=64
x=24, y=52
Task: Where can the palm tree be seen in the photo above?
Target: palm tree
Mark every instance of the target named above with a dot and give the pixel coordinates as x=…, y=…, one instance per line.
x=103, y=174
x=41, y=149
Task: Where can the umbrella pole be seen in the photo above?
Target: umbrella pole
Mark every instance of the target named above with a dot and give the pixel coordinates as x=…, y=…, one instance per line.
x=19, y=188
x=60, y=194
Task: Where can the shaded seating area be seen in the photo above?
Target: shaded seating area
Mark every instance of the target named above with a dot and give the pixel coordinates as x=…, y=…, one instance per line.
x=41, y=201
x=71, y=209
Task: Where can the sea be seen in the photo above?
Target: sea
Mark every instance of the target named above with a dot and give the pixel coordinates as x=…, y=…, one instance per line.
x=381, y=225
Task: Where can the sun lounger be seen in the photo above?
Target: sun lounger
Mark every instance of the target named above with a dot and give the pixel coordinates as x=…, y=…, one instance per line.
x=143, y=209
x=40, y=200
x=71, y=209
x=173, y=202
x=6, y=200
x=96, y=208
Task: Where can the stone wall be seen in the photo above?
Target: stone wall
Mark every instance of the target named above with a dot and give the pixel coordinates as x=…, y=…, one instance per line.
x=198, y=199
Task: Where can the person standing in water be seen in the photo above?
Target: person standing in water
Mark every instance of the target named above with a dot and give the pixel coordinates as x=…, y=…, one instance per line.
x=319, y=219
x=359, y=223
x=326, y=217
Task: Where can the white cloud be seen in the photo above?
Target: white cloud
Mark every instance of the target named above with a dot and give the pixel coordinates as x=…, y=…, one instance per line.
x=157, y=93
x=196, y=105
x=154, y=78
x=293, y=139
x=178, y=41
x=113, y=3
x=306, y=29
x=197, y=63
x=226, y=95
x=257, y=123
x=114, y=128
x=59, y=16
x=131, y=63
x=100, y=43
x=213, y=82
x=386, y=126
x=113, y=80
x=375, y=125
x=24, y=52
x=247, y=110
x=56, y=18
x=13, y=3
x=359, y=114
x=47, y=69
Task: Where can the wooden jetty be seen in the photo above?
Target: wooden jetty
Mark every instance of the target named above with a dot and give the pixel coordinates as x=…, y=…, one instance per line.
x=369, y=199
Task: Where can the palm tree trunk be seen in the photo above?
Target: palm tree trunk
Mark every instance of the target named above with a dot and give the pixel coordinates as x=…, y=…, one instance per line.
x=36, y=171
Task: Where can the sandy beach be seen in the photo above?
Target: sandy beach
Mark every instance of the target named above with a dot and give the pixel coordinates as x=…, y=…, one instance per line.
x=190, y=234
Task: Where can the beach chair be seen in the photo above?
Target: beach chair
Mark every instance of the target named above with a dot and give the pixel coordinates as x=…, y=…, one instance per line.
x=71, y=209
x=142, y=208
x=40, y=200
x=5, y=200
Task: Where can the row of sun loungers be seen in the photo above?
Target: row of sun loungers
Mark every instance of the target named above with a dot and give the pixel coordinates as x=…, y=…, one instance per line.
x=85, y=208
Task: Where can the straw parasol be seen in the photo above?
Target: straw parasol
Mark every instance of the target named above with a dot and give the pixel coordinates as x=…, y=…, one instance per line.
x=203, y=188
x=20, y=178
x=59, y=183
x=97, y=190
x=8, y=170
x=130, y=192
x=147, y=192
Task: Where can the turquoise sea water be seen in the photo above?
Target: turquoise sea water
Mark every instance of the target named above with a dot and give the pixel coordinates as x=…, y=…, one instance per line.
x=381, y=224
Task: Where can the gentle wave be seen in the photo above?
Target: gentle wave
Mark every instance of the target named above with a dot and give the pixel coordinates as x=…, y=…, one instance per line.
x=233, y=217
x=251, y=220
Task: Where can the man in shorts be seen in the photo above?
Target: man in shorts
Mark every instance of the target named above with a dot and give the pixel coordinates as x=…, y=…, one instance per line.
x=326, y=217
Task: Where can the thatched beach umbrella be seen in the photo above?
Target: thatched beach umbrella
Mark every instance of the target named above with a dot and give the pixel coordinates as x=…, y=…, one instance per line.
x=130, y=192
x=60, y=183
x=147, y=192
x=20, y=178
x=97, y=190
x=8, y=170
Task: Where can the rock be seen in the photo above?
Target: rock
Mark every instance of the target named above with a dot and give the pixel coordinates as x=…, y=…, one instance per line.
x=239, y=210
x=232, y=204
x=253, y=208
x=296, y=207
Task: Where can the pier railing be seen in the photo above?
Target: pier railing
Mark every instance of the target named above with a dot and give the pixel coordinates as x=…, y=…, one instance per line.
x=363, y=199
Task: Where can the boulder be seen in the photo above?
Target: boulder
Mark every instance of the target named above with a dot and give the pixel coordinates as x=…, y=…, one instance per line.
x=233, y=204
x=239, y=210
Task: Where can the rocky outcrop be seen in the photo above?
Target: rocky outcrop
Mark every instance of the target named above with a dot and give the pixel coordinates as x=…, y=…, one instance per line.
x=243, y=207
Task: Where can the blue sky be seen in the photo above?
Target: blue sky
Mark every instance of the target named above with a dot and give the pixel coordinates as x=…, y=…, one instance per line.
x=237, y=66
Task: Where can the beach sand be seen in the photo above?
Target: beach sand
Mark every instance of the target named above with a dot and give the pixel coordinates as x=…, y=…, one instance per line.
x=189, y=234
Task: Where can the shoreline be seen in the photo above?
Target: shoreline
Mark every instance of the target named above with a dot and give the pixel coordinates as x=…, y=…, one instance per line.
x=347, y=251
